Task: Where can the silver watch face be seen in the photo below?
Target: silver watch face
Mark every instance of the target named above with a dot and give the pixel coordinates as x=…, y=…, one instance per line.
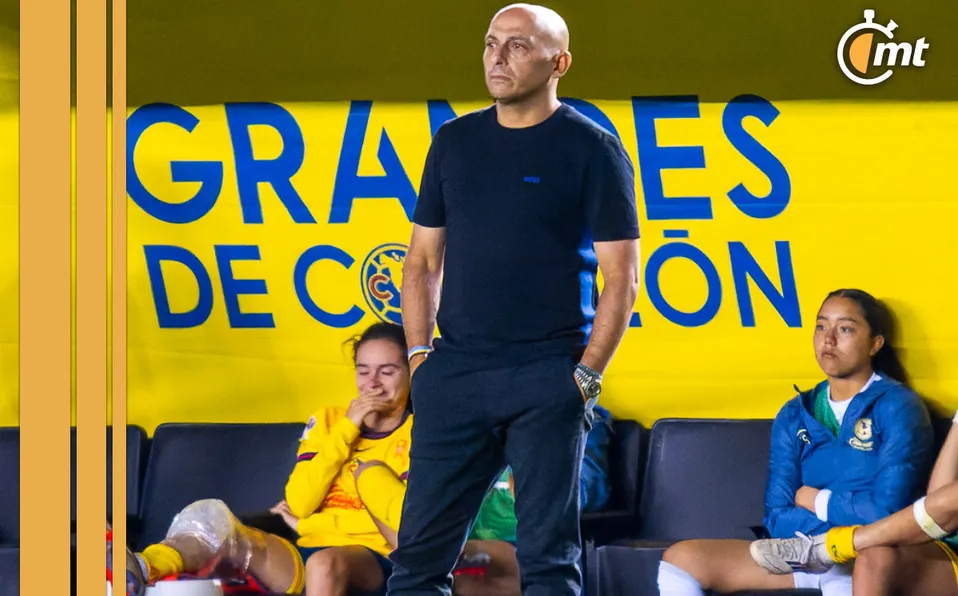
x=590, y=386
x=593, y=388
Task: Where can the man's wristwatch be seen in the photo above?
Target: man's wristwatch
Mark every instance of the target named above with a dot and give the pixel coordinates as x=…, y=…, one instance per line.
x=589, y=380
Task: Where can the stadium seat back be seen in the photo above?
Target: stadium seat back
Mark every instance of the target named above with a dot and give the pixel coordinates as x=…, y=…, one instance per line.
x=624, y=571
x=626, y=463
x=245, y=465
x=10, y=572
x=135, y=453
x=136, y=442
x=619, y=518
x=705, y=479
x=10, y=487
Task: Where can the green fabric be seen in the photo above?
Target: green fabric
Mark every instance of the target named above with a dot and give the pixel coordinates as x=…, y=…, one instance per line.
x=823, y=412
x=952, y=541
x=497, y=515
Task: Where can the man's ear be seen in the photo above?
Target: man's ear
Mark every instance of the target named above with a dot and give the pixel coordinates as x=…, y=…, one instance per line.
x=562, y=64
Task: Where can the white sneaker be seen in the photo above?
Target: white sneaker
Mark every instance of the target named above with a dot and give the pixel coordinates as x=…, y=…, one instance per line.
x=781, y=556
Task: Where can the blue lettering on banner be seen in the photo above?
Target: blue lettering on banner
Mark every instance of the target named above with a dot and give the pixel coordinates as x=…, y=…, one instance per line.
x=306, y=260
x=734, y=115
x=277, y=172
x=745, y=266
x=233, y=288
x=350, y=185
x=208, y=173
x=713, y=300
x=439, y=112
x=381, y=271
x=654, y=158
x=167, y=319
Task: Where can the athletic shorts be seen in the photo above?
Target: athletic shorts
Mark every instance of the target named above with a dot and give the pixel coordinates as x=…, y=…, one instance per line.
x=387, y=567
x=952, y=555
x=837, y=581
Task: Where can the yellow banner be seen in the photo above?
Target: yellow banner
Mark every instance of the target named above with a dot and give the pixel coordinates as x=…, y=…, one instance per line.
x=9, y=269
x=262, y=236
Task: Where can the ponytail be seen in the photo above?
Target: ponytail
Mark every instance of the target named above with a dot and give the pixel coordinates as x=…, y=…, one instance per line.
x=889, y=364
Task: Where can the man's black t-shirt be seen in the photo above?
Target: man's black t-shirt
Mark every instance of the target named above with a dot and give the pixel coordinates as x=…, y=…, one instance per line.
x=522, y=208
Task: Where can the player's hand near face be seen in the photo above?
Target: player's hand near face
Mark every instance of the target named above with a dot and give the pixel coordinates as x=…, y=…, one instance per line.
x=374, y=402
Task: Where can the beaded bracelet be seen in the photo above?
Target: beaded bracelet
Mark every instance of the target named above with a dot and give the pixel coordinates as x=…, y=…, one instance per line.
x=416, y=350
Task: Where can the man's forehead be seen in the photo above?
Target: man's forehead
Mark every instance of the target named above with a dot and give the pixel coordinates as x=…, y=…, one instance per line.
x=536, y=26
x=503, y=29
x=503, y=34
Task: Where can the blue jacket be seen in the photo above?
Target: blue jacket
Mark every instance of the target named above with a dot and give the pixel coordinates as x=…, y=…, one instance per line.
x=595, y=486
x=876, y=466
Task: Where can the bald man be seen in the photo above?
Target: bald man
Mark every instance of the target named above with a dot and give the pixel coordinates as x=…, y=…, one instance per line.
x=520, y=204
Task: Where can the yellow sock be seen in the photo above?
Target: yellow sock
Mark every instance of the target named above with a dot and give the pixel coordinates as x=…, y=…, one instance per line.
x=162, y=561
x=840, y=543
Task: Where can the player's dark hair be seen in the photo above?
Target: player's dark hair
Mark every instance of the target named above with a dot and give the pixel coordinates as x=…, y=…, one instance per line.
x=385, y=331
x=880, y=321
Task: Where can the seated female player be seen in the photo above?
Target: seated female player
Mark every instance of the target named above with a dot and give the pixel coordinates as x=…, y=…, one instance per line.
x=851, y=451
x=488, y=566
x=346, y=492
x=913, y=552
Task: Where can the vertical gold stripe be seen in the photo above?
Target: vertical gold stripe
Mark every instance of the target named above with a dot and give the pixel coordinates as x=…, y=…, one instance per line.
x=91, y=280
x=45, y=296
x=118, y=267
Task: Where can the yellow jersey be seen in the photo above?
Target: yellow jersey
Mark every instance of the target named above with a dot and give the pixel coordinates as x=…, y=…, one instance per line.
x=323, y=494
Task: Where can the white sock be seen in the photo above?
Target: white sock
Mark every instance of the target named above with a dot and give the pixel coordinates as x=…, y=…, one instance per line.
x=673, y=581
x=837, y=581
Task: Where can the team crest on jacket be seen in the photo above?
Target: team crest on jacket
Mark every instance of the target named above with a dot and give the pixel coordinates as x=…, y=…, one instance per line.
x=863, y=435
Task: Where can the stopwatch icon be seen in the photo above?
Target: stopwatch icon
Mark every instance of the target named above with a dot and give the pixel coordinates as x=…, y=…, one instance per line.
x=869, y=23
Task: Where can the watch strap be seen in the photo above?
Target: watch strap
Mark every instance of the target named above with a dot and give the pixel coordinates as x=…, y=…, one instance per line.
x=589, y=380
x=588, y=372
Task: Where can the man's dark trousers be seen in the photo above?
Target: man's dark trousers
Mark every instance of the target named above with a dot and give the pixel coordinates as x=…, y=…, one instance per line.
x=472, y=416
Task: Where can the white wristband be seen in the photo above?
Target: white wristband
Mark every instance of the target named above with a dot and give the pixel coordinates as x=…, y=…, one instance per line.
x=821, y=504
x=926, y=523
